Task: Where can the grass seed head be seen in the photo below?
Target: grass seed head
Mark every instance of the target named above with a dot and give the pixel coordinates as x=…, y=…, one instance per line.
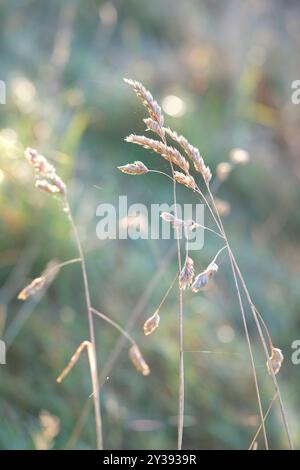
x=36, y=285
x=151, y=324
x=275, y=361
x=136, y=168
x=203, y=278
x=187, y=273
x=138, y=361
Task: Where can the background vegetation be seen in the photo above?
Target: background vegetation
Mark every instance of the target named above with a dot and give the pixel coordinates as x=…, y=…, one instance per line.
x=231, y=64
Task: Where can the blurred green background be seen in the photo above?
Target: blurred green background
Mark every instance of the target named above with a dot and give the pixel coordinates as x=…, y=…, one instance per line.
x=229, y=66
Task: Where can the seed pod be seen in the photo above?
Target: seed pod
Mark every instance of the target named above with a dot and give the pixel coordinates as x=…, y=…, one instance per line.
x=36, y=285
x=138, y=361
x=136, y=168
x=151, y=324
x=274, y=362
x=203, y=278
x=187, y=274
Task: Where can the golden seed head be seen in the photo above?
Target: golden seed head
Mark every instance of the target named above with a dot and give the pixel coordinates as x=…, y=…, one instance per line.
x=151, y=324
x=168, y=153
x=192, y=152
x=154, y=127
x=148, y=101
x=36, y=285
x=138, y=361
x=239, y=156
x=223, y=170
x=186, y=180
x=275, y=361
x=187, y=274
x=136, y=168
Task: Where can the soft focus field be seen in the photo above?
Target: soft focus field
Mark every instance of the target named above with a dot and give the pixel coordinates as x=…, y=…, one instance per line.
x=231, y=64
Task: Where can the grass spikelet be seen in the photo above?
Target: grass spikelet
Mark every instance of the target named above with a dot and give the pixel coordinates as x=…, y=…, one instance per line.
x=39, y=162
x=192, y=152
x=154, y=127
x=136, y=168
x=187, y=273
x=151, y=324
x=148, y=101
x=46, y=170
x=186, y=180
x=203, y=278
x=44, y=185
x=138, y=361
x=36, y=285
x=275, y=361
x=168, y=153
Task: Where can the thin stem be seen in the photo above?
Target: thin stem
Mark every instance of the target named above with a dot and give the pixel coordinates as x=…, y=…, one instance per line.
x=94, y=376
x=61, y=265
x=266, y=330
x=265, y=417
x=167, y=293
x=250, y=349
x=162, y=173
x=275, y=382
x=221, y=228
x=220, y=251
x=181, y=332
x=254, y=313
x=114, y=324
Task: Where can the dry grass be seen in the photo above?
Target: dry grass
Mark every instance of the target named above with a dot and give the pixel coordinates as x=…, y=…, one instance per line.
x=53, y=185
x=203, y=188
